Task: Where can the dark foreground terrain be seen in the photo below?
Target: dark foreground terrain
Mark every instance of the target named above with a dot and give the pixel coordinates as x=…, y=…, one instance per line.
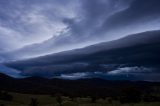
x=47, y=100
x=85, y=92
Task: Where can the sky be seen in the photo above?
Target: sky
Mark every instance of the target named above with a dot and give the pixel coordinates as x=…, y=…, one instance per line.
x=25, y=22
x=38, y=27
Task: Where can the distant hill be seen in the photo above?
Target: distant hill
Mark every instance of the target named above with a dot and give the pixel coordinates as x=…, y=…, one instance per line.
x=37, y=85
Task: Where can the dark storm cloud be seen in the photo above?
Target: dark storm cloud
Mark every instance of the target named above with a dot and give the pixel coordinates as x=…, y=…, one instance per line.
x=144, y=10
x=104, y=20
x=92, y=16
x=82, y=30
x=50, y=26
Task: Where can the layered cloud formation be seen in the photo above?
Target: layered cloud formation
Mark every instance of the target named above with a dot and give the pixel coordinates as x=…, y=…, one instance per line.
x=38, y=27
x=33, y=21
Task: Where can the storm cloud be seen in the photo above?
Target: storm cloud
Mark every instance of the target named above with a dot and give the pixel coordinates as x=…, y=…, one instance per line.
x=27, y=22
x=30, y=28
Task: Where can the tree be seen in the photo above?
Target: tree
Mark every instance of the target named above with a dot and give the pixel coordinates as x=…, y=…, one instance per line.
x=94, y=98
x=33, y=102
x=59, y=99
x=110, y=100
x=72, y=97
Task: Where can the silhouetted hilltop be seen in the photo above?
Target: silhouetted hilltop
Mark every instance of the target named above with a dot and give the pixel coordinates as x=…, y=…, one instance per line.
x=37, y=85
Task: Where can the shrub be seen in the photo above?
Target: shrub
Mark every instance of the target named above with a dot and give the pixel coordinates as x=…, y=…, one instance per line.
x=6, y=96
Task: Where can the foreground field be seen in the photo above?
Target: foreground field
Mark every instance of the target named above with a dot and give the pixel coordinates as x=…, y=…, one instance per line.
x=84, y=92
x=47, y=100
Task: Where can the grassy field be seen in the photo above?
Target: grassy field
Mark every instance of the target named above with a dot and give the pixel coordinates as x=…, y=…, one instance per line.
x=47, y=100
